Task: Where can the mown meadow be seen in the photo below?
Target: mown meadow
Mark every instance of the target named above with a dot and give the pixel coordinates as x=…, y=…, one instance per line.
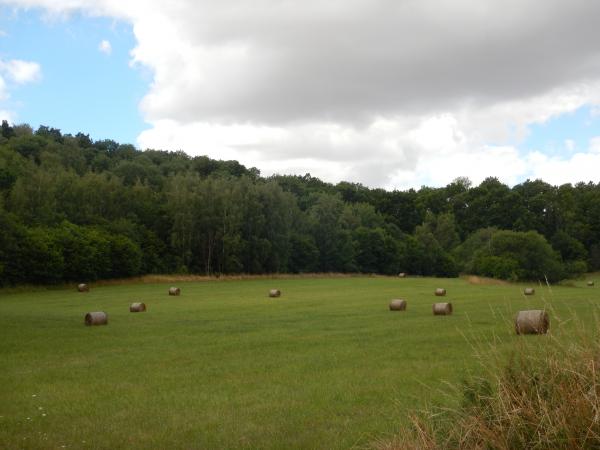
x=326, y=365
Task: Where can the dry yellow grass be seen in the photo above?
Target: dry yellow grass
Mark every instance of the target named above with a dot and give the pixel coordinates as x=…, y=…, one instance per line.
x=483, y=281
x=545, y=398
x=173, y=278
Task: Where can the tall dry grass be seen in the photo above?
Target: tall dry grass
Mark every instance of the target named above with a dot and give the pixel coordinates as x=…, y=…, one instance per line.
x=543, y=395
x=484, y=281
x=173, y=278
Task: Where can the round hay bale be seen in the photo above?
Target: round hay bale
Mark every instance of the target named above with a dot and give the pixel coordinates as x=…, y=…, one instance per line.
x=274, y=293
x=442, y=309
x=174, y=291
x=402, y=275
x=529, y=291
x=83, y=287
x=440, y=292
x=590, y=283
x=398, y=304
x=137, y=307
x=535, y=321
x=96, y=318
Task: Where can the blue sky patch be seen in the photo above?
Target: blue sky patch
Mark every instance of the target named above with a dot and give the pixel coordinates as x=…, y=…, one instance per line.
x=82, y=88
x=549, y=137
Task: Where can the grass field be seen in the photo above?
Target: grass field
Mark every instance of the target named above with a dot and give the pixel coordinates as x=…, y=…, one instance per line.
x=326, y=365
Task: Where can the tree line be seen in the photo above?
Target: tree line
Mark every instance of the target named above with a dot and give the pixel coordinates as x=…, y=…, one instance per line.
x=74, y=209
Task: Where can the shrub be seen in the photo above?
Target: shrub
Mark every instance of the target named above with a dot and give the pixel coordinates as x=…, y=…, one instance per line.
x=496, y=267
x=576, y=268
x=535, y=257
x=511, y=255
x=465, y=252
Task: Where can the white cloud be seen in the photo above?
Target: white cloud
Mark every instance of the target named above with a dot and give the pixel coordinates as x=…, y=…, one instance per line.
x=21, y=72
x=393, y=152
x=7, y=115
x=581, y=166
x=435, y=151
x=105, y=47
x=595, y=145
x=3, y=89
x=18, y=72
x=387, y=93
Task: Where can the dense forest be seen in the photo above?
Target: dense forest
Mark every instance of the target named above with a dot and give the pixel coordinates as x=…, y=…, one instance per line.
x=74, y=209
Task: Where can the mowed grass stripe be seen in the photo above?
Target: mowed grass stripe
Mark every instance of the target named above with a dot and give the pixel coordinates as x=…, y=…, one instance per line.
x=326, y=365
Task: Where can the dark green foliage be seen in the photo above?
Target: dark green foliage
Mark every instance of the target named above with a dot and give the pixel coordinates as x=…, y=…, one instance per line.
x=572, y=252
x=78, y=209
x=42, y=256
x=535, y=257
x=569, y=248
x=519, y=256
x=332, y=238
x=7, y=131
x=575, y=268
x=594, y=261
x=465, y=252
x=131, y=172
x=428, y=255
x=503, y=267
x=29, y=147
x=13, y=264
x=304, y=256
x=125, y=256
x=50, y=133
x=375, y=251
x=489, y=204
x=12, y=166
x=86, y=252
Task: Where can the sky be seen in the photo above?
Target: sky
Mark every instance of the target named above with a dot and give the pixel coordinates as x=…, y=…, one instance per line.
x=388, y=93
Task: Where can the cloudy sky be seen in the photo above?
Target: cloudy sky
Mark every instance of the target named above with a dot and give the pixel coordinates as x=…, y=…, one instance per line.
x=388, y=93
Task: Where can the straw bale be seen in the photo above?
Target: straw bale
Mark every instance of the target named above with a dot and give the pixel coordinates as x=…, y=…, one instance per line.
x=442, y=309
x=137, y=307
x=535, y=321
x=398, y=304
x=96, y=318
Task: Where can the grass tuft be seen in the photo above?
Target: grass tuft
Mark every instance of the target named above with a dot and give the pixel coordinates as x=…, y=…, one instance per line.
x=537, y=397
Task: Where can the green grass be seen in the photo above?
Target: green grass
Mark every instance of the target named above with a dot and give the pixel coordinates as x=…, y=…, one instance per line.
x=224, y=366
